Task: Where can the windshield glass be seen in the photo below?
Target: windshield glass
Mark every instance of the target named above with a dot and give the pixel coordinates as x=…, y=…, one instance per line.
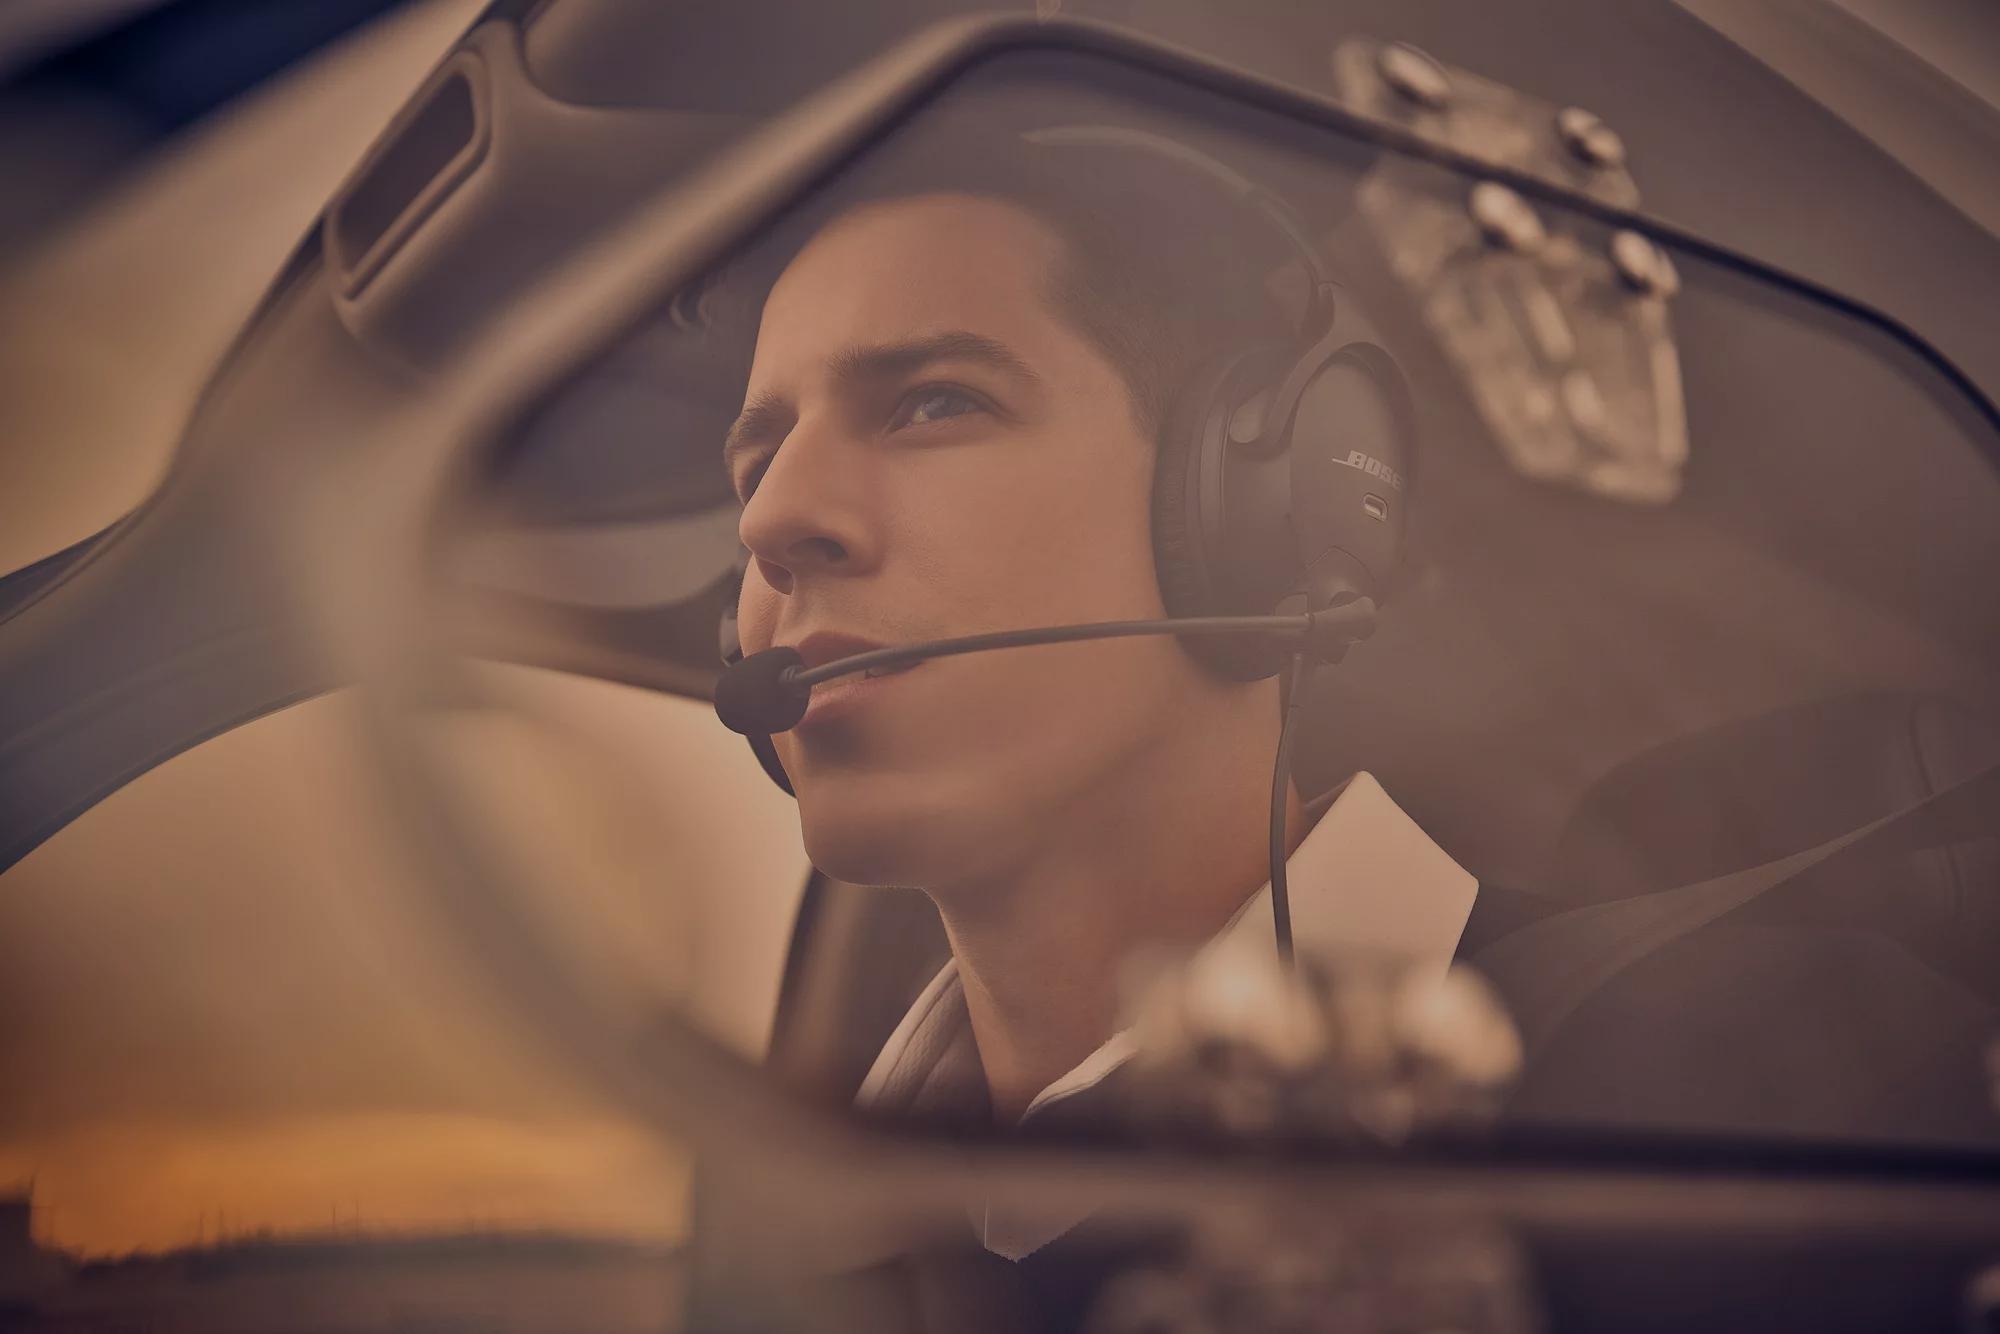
x=1653, y=653
x=1690, y=578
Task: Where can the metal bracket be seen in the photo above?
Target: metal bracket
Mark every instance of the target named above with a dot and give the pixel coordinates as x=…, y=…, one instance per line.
x=1565, y=344
x=1466, y=113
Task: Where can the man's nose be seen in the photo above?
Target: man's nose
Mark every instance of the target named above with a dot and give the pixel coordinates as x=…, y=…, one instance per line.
x=811, y=512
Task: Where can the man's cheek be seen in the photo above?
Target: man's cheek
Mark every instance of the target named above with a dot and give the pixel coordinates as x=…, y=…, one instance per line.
x=756, y=615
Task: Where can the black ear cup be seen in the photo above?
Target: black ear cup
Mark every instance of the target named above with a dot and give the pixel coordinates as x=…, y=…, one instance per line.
x=1178, y=554
x=1205, y=487
x=1352, y=445
x=1281, y=475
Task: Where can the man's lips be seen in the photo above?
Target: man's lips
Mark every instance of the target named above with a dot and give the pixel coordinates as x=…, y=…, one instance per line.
x=823, y=646
x=844, y=694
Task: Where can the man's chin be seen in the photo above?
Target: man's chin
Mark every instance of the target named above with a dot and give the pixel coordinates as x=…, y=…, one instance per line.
x=903, y=829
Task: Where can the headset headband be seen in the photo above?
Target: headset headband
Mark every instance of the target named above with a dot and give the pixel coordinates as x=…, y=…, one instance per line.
x=1319, y=311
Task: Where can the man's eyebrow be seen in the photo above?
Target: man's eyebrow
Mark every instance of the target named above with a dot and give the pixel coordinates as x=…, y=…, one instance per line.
x=889, y=361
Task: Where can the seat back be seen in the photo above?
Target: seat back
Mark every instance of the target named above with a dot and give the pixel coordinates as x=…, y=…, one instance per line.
x=1757, y=789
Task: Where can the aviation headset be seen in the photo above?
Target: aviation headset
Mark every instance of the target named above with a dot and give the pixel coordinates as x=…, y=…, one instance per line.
x=1283, y=466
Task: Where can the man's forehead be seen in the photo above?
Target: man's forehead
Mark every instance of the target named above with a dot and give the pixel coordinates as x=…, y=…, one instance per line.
x=884, y=270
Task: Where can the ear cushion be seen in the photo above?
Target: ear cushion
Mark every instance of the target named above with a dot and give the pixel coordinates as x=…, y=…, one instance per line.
x=1178, y=558
x=1185, y=555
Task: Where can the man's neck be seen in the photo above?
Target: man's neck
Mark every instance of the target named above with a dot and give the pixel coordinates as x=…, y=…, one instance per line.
x=1040, y=949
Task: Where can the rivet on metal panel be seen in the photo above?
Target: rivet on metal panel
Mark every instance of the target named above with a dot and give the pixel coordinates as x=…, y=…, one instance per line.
x=1643, y=266
x=1589, y=139
x=1414, y=74
x=1504, y=218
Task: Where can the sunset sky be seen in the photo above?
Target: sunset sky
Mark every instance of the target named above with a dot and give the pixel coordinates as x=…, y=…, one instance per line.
x=225, y=998
x=228, y=997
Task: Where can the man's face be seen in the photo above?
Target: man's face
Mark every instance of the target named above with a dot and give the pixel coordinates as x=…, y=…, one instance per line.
x=929, y=449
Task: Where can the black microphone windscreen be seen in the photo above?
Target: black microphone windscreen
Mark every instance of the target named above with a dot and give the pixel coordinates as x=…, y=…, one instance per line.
x=754, y=698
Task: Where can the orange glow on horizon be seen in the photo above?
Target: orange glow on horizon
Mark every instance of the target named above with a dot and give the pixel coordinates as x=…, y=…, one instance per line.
x=112, y=1189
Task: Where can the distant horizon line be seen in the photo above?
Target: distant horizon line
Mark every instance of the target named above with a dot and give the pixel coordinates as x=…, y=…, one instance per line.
x=273, y=1238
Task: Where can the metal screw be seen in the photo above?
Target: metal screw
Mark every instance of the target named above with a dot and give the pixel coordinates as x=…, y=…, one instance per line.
x=1643, y=266
x=1504, y=218
x=1589, y=139
x=1414, y=74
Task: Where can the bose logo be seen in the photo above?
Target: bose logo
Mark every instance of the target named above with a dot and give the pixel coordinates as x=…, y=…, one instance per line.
x=1374, y=467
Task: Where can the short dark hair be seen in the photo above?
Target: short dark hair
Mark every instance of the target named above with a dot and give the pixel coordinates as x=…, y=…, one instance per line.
x=1159, y=272
x=1156, y=273
x=1131, y=308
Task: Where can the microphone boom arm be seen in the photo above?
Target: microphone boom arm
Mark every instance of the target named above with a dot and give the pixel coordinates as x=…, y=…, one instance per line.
x=1324, y=633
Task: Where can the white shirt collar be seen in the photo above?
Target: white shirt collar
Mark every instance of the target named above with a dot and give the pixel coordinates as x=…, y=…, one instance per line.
x=1365, y=878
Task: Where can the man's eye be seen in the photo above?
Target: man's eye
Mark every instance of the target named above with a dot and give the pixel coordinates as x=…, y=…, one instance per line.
x=933, y=403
